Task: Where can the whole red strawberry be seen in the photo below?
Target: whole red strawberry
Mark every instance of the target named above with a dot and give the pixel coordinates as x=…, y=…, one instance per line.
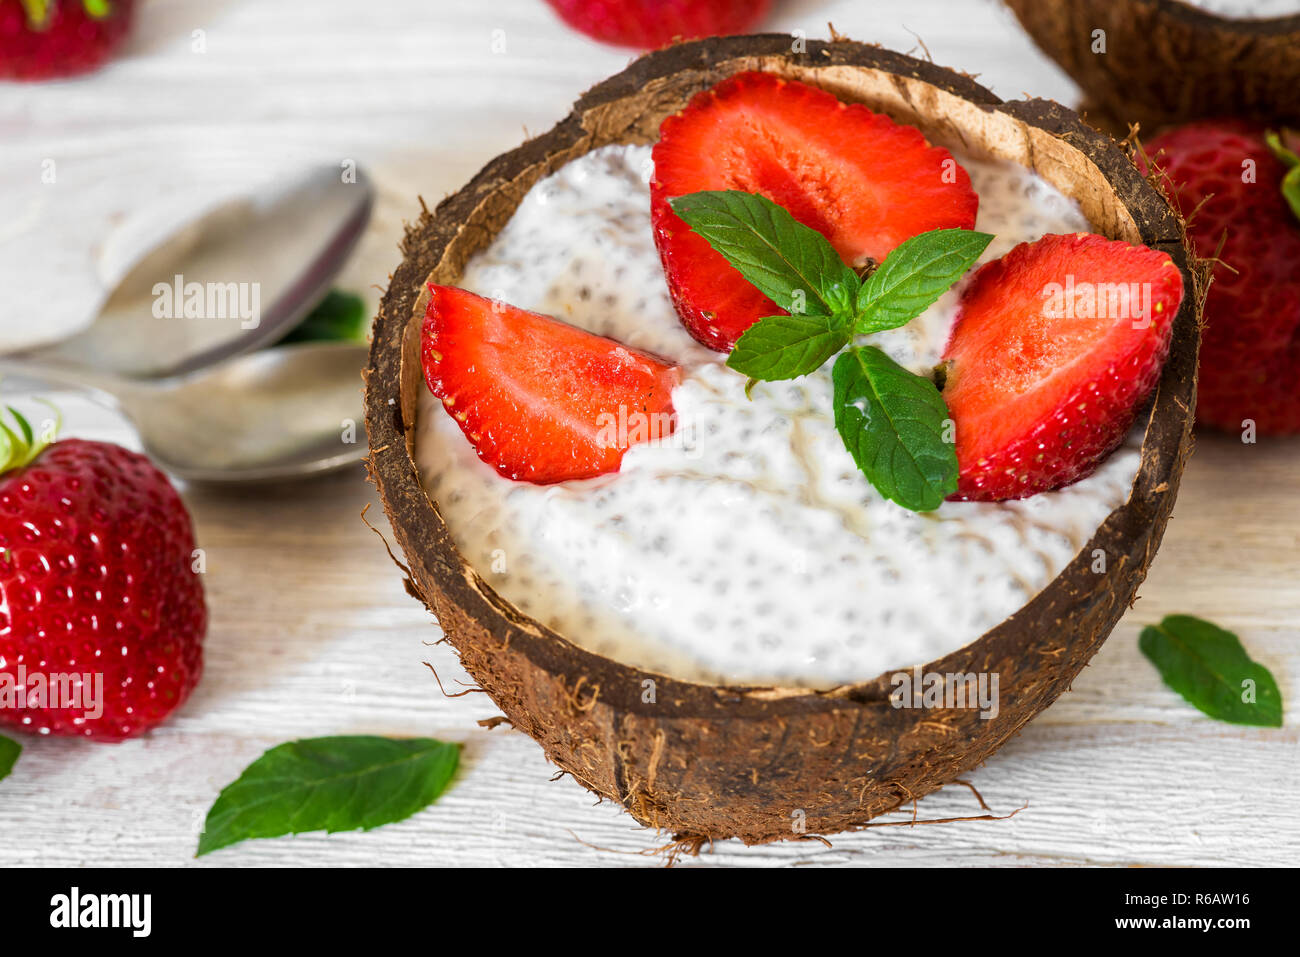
x=652, y=23
x=1251, y=345
x=40, y=39
x=101, y=612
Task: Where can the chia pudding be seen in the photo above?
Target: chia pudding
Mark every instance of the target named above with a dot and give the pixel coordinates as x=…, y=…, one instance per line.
x=1247, y=9
x=747, y=548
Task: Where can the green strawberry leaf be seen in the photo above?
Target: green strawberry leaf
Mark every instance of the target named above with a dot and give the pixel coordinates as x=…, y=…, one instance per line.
x=38, y=13
x=793, y=265
x=895, y=425
x=786, y=347
x=1209, y=667
x=339, y=317
x=9, y=751
x=1280, y=149
x=1291, y=180
x=914, y=275
x=1291, y=189
x=330, y=784
x=18, y=449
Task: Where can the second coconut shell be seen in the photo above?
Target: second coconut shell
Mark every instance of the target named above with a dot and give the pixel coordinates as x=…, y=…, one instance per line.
x=1157, y=62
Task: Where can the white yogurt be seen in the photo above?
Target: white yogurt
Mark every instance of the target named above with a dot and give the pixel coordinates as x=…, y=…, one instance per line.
x=749, y=548
x=1247, y=9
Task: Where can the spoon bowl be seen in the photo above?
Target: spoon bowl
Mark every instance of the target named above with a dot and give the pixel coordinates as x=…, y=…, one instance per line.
x=282, y=413
x=235, y=279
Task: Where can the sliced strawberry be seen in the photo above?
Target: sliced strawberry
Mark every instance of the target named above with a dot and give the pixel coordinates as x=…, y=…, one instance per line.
x=1042, y=387
x=539, y=400
x=859, y=178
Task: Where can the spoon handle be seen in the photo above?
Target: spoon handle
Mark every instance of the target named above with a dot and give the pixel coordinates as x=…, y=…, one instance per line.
x=104, y=387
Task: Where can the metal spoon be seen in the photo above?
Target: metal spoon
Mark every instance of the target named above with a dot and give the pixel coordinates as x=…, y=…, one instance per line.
x=277, y=414
x=257, y=265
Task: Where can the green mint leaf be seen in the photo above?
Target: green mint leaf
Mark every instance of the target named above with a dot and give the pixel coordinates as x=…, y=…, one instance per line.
x=330, y=784
x=339, y=317
x=914, y=275
x=9, y=751
x=793, y=265
x=896, y=426
x=786, y=347
x=1209, y=667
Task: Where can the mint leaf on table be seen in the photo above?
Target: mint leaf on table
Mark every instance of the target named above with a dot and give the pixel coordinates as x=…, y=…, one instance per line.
x=330, y=784
x=794, y=266
x=1211, y=669
x=894, y=423
x=9, y=751
x=339, y=317
x=785, y=347
x=915, y=275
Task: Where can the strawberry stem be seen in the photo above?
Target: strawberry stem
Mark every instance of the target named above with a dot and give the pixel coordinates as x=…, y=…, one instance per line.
x=18, y=449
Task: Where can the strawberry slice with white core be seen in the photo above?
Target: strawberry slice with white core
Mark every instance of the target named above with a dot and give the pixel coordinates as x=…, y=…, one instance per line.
x=1055, y=346
x=540, y=400
x=863, y=181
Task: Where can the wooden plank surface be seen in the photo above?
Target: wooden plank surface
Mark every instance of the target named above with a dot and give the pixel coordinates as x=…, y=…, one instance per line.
x=311, y=631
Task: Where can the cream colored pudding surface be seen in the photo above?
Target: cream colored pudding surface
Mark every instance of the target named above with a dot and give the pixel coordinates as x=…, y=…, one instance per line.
x=1248, y=9
x=747, y=548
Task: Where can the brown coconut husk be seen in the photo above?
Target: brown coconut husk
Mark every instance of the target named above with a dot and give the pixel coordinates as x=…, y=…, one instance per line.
x=1168, y=62
x=709, y=762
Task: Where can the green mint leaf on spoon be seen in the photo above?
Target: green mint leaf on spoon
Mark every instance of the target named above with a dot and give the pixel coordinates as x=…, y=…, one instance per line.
x=895, y=425
x=785, y=347
x=339, y=317
x=330, y=784
x=9, y=751
x=793, y=265
x=1211, y=669
x=915, y=275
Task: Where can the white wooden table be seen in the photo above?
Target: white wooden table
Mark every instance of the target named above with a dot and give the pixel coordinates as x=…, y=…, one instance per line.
x=311, y=631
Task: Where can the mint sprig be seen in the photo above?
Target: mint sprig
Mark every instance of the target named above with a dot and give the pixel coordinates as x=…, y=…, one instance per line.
x=893, y=422
x=1210, y=668
x=330, y=784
